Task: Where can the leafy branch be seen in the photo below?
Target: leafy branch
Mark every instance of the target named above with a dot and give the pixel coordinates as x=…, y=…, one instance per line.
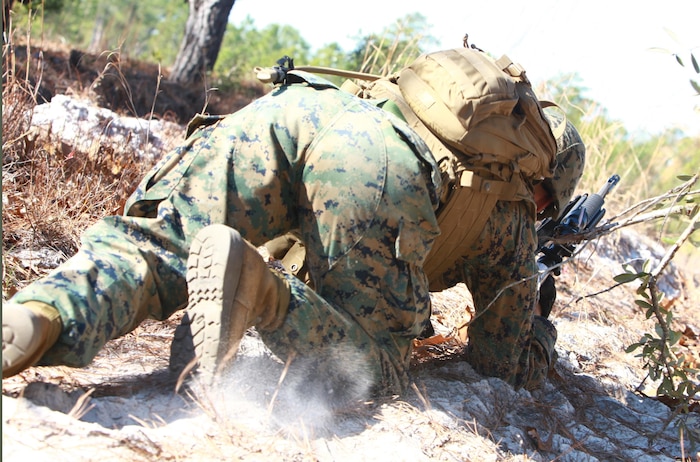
x=679, y=380
x=694, y=62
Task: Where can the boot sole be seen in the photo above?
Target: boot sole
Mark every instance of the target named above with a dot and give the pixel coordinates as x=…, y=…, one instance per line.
x=213, y=272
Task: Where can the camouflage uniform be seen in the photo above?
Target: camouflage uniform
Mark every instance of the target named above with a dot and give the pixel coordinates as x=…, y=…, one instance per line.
x=487, y=219
x=360, y=186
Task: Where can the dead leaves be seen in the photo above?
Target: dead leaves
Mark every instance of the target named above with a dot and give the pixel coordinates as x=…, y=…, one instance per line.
x=435, y=347
x=540, y=444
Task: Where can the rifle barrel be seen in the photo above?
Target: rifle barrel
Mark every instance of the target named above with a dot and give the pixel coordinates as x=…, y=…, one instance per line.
x=612, y=181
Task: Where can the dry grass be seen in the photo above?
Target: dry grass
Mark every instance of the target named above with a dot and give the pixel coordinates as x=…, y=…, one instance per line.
x=52, y=189
x=387, y=53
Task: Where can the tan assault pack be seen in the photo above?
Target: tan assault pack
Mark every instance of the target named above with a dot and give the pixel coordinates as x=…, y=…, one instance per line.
x=485, y=128
x=481, y=107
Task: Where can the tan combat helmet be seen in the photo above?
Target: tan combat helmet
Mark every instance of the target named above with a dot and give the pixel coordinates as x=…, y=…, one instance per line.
x=570, y=159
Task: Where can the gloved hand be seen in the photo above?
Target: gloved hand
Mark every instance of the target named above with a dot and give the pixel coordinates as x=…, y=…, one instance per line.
x=547, y=295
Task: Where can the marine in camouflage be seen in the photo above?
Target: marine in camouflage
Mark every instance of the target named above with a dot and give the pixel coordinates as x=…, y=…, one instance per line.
x=358, y=184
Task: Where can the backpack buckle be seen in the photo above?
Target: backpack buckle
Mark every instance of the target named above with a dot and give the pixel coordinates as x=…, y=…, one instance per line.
x=514, y=70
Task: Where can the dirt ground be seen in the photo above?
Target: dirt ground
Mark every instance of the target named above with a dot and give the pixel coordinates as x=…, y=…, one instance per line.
x=126, y=86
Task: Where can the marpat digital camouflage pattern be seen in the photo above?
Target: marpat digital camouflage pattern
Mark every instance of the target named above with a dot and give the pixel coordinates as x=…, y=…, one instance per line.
x=360, y=186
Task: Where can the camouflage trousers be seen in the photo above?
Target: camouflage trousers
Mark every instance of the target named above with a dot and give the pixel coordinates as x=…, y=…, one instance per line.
x=505, y=339
x=366, y=219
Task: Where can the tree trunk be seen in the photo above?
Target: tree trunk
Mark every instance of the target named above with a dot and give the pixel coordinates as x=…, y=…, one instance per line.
x=204, y=31
x=98, y=31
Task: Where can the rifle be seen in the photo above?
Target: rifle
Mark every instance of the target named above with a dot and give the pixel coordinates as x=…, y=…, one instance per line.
x=580, y=216
x=278, y=74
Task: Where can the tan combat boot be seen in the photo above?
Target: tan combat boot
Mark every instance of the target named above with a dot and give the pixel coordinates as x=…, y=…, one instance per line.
x=28, y=330
x=230, y=290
